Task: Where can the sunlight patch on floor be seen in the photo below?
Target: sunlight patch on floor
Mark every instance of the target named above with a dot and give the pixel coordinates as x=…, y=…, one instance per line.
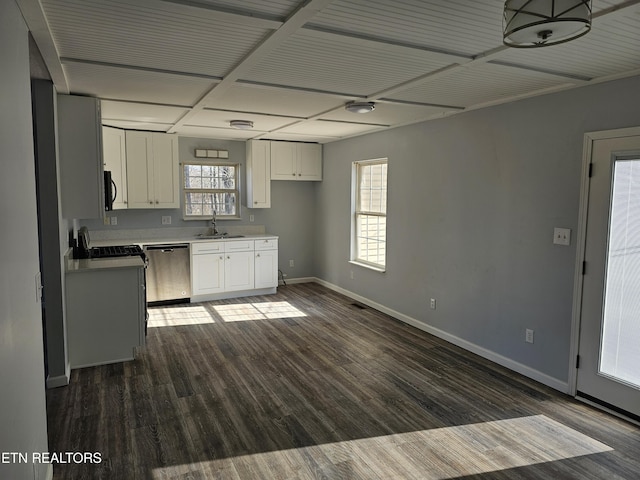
x=257, y=311
x=179, y=316
x=441, y=453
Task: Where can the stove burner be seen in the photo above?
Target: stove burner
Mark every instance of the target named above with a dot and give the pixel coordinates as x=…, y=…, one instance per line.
x=116, y=251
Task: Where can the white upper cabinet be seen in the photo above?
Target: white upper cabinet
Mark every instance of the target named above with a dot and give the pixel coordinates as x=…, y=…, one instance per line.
x=296, y=161
x=152, y=170
x=80, y=156
x=258, y=174
x=115, y=161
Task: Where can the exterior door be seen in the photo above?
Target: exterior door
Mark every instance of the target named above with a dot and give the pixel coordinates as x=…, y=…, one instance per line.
x=609, y=339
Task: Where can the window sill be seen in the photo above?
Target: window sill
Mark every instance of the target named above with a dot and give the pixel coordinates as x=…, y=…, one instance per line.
x=375, y=268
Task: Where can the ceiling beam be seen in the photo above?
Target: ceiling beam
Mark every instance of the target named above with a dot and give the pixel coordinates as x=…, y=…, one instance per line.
x=37, y=24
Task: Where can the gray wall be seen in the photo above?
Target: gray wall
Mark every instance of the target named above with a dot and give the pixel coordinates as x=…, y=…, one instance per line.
x=23, y=425
x=472, y=201
x=291, y=215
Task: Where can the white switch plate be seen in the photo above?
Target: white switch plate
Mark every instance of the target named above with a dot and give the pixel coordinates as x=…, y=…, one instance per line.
x=562, y=236
x=432, y=304
x=166, y=220
x=251, y=218
x=114, y=220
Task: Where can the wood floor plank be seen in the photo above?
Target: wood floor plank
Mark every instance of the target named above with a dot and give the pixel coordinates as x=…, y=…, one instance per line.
x=332, y=391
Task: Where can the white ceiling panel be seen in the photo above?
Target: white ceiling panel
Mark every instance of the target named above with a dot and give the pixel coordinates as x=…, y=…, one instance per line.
x=141, y=112
x=276, y=101
x=387, y=114
x=132, y=33
x=453, y=25
x=328, y=62
x=482, y=83
x=329, y=129
x=221, y=119
x=135, y=85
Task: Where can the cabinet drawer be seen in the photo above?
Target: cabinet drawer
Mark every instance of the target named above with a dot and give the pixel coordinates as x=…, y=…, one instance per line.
x=268, y=244
x=239, y=246
x=207, y=247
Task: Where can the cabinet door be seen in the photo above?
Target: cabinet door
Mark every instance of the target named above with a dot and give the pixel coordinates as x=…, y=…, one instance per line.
x=139, y=169
x=309, y=164
x=266, y=265
x=81, y=157
x=283, y=160
x=258, y=174
x=207, y=273
x=165, y=171
x=238, y=271
x=115, y=161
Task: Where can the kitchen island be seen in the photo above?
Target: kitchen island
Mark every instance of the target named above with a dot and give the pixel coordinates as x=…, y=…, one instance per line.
x=106, y=309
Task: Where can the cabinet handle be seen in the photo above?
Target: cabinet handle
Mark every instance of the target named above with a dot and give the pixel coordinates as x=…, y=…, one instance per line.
x=299, y=174
x=150, y=202
x=228, y=257
x=256, y=202
x=258, y=255
x=221, y=257
x=157, y=201
x=293, y=174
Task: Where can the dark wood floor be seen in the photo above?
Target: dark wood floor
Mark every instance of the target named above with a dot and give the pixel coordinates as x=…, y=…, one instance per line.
x=343, y=392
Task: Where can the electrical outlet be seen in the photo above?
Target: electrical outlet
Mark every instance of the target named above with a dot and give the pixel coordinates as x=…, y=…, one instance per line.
x=251, y=218
x=291, y=263
x=106, y=220
x=432, y=304
x=528, y=336
x=166, y=220
x=351, y=274
x=114, y=220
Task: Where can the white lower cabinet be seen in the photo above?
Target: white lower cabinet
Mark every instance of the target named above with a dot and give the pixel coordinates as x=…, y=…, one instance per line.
x=207, y=268
x=224, y=269
x=238, y=271
x=266, y=263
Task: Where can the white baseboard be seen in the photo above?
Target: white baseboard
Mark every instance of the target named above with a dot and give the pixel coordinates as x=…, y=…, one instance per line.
x=471, y=347
x=60, y=380
x=291, y=281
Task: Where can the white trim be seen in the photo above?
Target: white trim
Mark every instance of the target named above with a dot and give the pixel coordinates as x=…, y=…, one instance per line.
x=291, y=281
x=574, y=346
x=471, y=347
x=49, y=474
x=60, y=380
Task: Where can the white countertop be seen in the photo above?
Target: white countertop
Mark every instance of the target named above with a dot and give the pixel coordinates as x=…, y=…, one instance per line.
x=92, y=264
x=174, y=240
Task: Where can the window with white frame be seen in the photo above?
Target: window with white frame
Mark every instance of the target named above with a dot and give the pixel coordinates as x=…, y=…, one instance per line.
x=369, y=220
x=210, y=186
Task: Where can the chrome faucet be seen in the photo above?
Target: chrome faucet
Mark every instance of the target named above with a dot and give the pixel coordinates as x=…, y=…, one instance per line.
x=214, y=229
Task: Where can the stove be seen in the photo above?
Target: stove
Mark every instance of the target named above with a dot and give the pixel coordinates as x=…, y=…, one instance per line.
x=116, y=251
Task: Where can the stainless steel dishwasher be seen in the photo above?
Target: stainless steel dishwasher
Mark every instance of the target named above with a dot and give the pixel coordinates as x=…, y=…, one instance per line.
x=168, y=273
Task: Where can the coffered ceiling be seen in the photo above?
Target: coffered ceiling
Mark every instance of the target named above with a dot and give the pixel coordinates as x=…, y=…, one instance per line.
x=289, y=66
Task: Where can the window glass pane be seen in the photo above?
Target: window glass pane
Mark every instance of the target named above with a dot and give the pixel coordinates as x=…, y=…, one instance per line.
x=619, y=352
x=216, y=187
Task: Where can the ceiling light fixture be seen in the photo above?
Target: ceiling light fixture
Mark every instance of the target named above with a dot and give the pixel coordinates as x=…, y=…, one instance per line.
x=540, y=23
x=360, y=107
x=241, y=124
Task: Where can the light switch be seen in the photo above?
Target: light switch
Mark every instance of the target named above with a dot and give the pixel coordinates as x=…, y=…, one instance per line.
x=562, y=236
